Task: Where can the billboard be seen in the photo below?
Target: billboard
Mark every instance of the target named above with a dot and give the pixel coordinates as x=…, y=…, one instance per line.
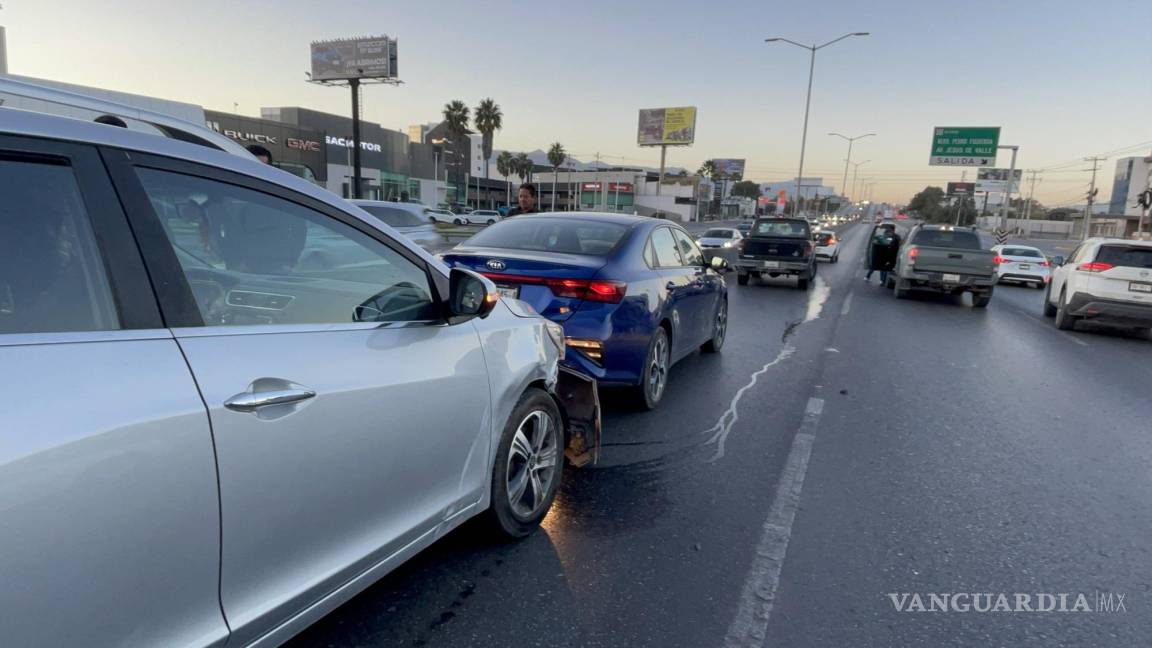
x=667, y=126
x=354, y=58
x=996, y=180
x=961, y=188
x=729, y=168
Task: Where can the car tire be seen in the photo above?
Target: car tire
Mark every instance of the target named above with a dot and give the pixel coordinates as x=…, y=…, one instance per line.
x=1039, y=285
x=981, y=301
x=654, y=377
x=490, y=221
x=519, y=456
x=889, y=283
x=719, y=329
x=742, y=278
x=458, y=221
x=1049, y=309
x=836, y=259
x=900, y=290
x=1065, y=321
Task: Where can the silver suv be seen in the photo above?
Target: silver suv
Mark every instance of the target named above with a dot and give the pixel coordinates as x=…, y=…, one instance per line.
x=210, y=434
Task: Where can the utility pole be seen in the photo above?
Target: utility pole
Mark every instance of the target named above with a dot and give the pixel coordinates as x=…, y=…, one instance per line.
x=1092, y=190
x=1028, y=205
x=1145, y=200
x=1002, y=234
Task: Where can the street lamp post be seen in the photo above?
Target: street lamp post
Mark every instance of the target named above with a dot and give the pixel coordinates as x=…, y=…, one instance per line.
x=844, y=183
x=808, y=100
x=855, y=171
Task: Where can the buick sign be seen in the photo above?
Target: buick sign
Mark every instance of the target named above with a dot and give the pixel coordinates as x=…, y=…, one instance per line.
x=496, y=264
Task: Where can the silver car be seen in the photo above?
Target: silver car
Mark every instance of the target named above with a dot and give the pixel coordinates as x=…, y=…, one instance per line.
x=407, y=218
x=207, y=440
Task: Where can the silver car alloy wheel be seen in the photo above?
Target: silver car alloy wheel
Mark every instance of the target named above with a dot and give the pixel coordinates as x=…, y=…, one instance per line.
x=532, y=463
x=721, y=323
x=658, y=371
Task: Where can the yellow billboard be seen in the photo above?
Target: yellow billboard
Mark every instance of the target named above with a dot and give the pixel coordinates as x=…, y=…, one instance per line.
x=667, y=126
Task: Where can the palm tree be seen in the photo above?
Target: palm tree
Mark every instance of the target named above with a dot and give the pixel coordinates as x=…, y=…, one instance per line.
x=523, y=167
x=488, y=119
x=556, y=157
x=506, y=166
x=456, y=122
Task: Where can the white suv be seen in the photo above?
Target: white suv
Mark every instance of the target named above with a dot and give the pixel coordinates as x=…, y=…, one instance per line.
x=1104, y=280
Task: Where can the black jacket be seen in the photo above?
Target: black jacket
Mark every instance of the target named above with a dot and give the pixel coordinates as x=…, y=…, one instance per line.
x=515, y=211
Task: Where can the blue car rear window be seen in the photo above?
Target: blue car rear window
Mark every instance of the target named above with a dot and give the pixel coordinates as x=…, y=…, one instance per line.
x=552, y=234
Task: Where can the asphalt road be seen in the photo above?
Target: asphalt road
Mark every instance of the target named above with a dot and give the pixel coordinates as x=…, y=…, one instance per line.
x=829, y=456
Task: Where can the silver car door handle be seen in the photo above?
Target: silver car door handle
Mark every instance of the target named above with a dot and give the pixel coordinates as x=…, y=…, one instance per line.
x=249, y=401
x=671, y=285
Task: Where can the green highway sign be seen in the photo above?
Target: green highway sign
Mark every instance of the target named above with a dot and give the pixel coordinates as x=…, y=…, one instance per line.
x=964, y=146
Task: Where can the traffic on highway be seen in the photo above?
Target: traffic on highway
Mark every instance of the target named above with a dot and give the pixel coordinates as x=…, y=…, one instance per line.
x=304, y=379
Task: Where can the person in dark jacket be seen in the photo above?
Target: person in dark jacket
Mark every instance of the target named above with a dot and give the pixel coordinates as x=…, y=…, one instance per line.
x=883, y=248
x=526, y=200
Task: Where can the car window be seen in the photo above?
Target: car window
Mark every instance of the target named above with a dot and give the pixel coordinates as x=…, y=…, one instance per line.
x=956, y=239
x=718, y=233
x=552, y=234
x=1021, y=252
x=394, y=216
x=650, y=254
x=1128, y=256
x=252, y=258
x=824, y=238
x=688, y=250
x=667, y=254
x=782, y=228
x=1075, y=254
x=51, y=276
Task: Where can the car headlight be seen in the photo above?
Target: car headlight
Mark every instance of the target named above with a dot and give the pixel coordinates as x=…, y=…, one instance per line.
x=556, y=332
x=728, y=244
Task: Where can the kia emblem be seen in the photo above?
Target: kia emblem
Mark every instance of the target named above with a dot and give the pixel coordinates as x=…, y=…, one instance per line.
x=496, y=264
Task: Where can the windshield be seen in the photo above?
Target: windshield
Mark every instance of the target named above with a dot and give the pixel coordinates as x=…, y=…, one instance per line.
x=781, y=228
x=552, y=234
x=718, y=233
x=963, y=240
x=394, y=216
x=1126, y=256
x=1022, y=252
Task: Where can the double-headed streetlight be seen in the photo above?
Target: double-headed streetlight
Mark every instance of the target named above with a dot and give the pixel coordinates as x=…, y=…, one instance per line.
x=844, y=183
x=855, y=170
x=808, y=101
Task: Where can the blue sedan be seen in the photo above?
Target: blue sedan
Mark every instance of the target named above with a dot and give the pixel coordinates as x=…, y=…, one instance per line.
x=634, y=294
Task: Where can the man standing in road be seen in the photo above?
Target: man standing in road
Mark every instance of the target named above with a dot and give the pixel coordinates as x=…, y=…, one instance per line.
x=882, y=250
x=526, y=200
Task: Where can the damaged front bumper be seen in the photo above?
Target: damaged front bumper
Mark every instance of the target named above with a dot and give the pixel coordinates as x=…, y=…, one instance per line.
x=579, y=399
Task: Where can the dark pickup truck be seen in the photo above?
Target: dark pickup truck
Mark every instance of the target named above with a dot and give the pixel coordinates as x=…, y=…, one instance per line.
x=777, y=246
x=944, y=259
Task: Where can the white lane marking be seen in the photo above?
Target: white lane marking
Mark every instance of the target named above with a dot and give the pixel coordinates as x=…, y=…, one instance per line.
x=816, y=300
x=723, y=426
x=847, y=304
x=750, y=626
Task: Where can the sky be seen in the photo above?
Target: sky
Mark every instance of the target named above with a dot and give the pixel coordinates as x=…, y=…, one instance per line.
x=1063, y=79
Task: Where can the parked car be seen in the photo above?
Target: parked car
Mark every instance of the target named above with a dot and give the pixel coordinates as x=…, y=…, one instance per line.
x=634, y=294
x=484, y=217
x=827, y=246
x=775, y=247
x=206, y=441
x=408, y=219
x=1021, y=264
x=944, y=259
x=1106, y=280
x=744, y=228
x=445, y=216
x=720, y=237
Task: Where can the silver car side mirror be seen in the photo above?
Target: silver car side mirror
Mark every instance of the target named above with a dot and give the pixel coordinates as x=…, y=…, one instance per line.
x=471, y=295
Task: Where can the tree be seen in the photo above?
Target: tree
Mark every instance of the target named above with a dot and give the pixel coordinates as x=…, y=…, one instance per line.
x=747, y=189
x=556, y=157
x=488, y=119
x=928, y=204
x=506, y=166
x=708, y=170
x=456, y=122
x=523, y=167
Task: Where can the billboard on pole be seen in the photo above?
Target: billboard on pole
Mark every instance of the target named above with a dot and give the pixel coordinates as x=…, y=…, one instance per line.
x=961, y=188
x=729, y=168
x=667, y=126
x=996, y=180
x=354, y=58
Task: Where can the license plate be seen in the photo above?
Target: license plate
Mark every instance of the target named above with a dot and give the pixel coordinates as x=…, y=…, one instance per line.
x=951, y=278
x=511, y=292
x=1025, y=266
x=770, y=264
x=1140, y=287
